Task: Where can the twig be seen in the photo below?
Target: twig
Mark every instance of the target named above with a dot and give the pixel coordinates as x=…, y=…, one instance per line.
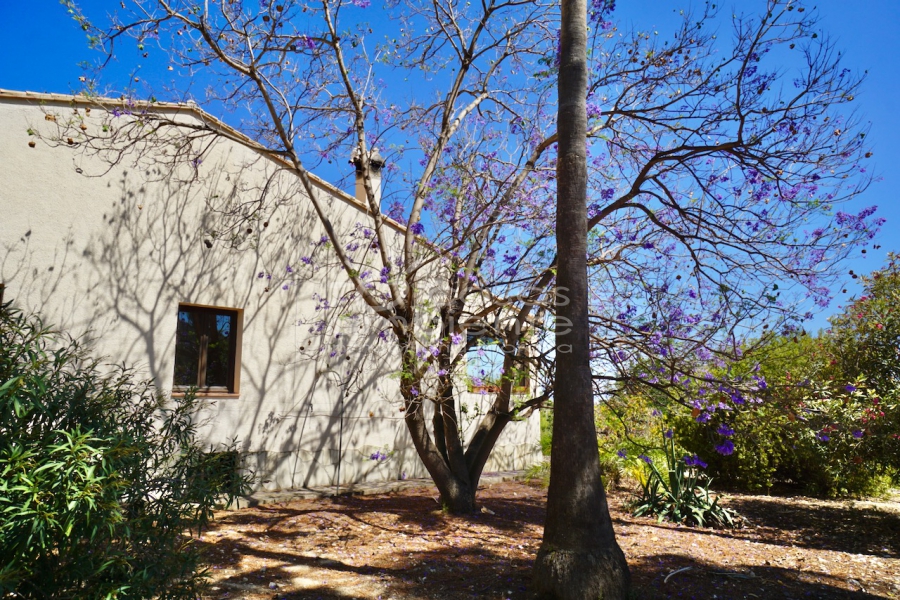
x=676, y=572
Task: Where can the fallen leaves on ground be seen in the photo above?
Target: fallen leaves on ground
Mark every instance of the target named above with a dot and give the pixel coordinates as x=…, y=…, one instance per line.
x=402, y=546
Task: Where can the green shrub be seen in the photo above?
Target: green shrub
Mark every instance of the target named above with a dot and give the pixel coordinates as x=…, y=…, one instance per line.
x=679, y=495
x=762, y=446
x=546, y=431
x=101, y=478
x=539, y=473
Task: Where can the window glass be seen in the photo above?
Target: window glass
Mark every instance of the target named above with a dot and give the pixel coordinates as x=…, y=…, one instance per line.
x=205, y=348
x=484, y=365
x=187, y=350
x=218, y=353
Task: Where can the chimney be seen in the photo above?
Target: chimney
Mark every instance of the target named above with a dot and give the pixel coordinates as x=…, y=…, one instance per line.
x=375, y=165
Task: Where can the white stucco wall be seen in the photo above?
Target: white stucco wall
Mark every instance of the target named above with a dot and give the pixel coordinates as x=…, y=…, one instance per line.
x=111, y=252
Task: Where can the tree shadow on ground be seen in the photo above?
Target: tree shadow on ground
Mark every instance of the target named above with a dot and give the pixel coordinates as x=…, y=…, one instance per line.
x=422, y=510
x=300, y=564
x=403, y=546
x=738, y=581
x=450, y=574
x=828, y=526
x=815, y=525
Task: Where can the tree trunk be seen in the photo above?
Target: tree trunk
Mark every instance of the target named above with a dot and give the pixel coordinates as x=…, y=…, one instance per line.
x=579, y=558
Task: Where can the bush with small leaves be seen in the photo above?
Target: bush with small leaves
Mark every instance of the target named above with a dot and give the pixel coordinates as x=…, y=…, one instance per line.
x=102, y=480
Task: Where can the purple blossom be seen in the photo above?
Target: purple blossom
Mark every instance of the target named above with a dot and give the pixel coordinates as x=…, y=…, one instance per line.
x=850, y=388
x=858, y=434
x=669, y=434
x=622, y=453
x=822, y=437
x=725, y=430
x=456, y=338
x=694, y=461
x=417, y=228
x=725, y=448
x=645, y=458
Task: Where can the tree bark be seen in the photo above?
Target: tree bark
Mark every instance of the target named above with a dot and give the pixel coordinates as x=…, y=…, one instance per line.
x=579, y=558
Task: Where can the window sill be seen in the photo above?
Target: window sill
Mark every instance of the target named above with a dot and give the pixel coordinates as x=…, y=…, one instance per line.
x=181, y=394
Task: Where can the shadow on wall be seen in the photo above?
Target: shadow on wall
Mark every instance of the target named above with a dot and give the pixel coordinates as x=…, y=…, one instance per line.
x=318, y=397
x=314, y=404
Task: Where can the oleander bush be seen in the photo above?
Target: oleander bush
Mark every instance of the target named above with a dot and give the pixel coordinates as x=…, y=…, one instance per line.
x=102, y=479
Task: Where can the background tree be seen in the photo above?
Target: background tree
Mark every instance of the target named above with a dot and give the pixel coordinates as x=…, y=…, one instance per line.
x=828, y=417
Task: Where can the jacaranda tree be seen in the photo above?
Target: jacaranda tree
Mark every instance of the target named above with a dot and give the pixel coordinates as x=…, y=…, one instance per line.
x=716, y=167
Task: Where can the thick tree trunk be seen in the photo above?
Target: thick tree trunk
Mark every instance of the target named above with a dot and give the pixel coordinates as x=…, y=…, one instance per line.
x=456, y=471
x=457, y=492
x=579, y=558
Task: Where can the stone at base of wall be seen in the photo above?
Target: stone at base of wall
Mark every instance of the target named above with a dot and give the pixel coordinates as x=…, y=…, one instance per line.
x=301, y=470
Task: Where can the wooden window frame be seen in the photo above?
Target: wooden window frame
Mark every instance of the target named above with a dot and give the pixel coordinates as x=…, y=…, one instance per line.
x=234, y=360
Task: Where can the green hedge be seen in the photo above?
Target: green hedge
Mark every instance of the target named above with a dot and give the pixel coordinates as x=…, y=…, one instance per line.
x=101, y=478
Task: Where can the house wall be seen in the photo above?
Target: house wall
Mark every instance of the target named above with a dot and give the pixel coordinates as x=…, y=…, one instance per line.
x=109, y=251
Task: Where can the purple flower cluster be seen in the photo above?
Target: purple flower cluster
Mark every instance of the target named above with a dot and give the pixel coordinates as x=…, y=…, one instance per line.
x=378, y=456
x=725, y=448
x=725, y=431
x=694, y=461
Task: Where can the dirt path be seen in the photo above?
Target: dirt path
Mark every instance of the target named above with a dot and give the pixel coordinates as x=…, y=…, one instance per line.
x=401, y=546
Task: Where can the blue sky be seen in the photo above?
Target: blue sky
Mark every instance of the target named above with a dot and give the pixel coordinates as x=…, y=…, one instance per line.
x=43, y=48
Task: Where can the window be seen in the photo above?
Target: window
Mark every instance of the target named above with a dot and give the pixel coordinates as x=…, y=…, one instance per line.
x=484, y=366
x=207, y=349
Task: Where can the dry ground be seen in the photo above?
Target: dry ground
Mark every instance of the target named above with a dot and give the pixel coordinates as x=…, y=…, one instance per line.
x=401, y=546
